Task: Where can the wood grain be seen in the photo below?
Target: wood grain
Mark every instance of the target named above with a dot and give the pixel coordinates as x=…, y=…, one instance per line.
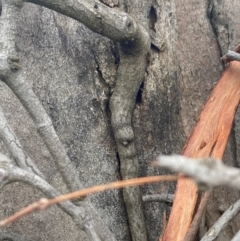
x=209, y=138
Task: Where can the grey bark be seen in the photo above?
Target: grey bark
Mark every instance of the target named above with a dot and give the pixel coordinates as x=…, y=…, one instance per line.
x=8, y=236
x=15, y=148
x=73, y=73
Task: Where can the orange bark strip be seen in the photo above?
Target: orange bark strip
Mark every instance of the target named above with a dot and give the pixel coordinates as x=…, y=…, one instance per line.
x=209, y=138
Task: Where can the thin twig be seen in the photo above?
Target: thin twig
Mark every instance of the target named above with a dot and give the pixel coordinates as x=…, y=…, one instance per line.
x=192, y=231
x=81, y=215
x=230, y=56
x=236, y=237
x=44, y=203
x=164, y=224
x=165, y=198
x=222, y=222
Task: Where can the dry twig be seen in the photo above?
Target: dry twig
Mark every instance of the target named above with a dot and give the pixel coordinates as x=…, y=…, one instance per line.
x=236, y=237
x=230, y=56
x=206, y=172
x=192, y=231
x=44, y=203
x=165, y=198
x=222, y=222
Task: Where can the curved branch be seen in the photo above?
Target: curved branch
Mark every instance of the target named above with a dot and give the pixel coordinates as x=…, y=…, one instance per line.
x=135, y=47
x=80, y=215
x=45, y=128
x=45, y=203
x=11, y=73
x=122, y=103
x=116, y=25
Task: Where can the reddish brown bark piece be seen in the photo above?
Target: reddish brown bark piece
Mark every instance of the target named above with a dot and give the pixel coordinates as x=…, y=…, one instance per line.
x=209, y=138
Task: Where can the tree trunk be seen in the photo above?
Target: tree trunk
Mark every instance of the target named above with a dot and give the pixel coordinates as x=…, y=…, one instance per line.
x=73, y=70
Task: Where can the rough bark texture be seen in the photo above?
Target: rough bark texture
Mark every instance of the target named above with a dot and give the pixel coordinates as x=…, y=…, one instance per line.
x=73, y=72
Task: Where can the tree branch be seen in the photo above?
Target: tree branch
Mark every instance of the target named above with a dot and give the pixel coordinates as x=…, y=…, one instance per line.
x=230, y=56
x=11, y=73
x=10, y=173
x=222, y=222
x=236, y=237
x=7, y=176
x=134, y=50
x=194, y=226
x=207, y=172
x=116, y=25
x=15, y=148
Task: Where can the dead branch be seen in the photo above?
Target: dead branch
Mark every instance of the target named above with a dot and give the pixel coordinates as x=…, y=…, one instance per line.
x=206, y=172
x=193, y=229
x=11, y=73
x=230, y=56
x=222, y=222
x=10, y=173
x=236, y=237
x=116, y=25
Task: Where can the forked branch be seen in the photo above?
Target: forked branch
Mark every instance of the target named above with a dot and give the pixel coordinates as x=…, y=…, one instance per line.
x=15, y=148
x=10, y=173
